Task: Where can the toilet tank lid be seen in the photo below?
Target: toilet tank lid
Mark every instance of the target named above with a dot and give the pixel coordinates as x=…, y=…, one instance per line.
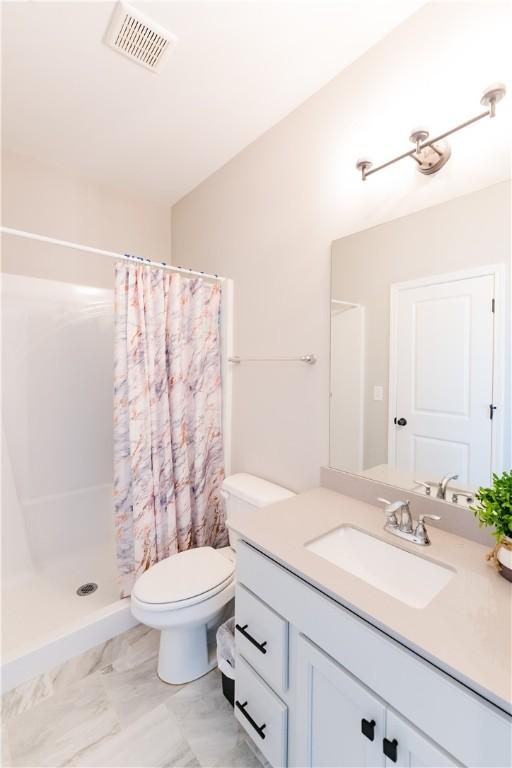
x=255, y=490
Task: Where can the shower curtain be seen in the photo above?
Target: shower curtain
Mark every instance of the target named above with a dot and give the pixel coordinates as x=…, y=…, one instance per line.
x=168, y=450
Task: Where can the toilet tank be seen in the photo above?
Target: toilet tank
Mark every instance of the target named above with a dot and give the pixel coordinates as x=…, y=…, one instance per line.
x=247, y=493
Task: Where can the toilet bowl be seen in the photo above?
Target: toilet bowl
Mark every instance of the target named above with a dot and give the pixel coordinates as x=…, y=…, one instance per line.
x=188, y=595
x=185, y=596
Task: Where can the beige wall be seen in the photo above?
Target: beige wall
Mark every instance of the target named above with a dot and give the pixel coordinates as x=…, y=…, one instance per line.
x=268, y=217
x=50, y=202
x=469, y=231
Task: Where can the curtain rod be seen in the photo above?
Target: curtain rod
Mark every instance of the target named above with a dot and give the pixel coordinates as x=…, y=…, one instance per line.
x=112, y=254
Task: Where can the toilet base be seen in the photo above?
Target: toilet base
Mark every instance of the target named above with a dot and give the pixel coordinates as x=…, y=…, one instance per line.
x=183, y=654
x=188, y=647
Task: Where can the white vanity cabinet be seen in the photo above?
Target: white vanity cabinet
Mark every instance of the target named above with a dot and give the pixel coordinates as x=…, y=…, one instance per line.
x=344, y=725
x=333, y=708
x=326, y=688
x=413, y=748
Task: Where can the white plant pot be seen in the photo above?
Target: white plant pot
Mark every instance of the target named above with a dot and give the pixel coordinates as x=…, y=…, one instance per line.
x=504, y=557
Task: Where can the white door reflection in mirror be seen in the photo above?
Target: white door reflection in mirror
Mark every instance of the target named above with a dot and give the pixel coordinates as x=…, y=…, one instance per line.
x=441, y=377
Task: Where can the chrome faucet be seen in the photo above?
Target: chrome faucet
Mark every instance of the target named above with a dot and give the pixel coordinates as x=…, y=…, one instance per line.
x=443, y=485
x=403, y=525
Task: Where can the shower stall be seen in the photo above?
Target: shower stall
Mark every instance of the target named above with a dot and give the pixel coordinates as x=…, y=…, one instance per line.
x=60, y=588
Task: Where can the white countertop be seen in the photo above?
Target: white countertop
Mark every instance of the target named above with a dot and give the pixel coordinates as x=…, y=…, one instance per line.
x=467, y=628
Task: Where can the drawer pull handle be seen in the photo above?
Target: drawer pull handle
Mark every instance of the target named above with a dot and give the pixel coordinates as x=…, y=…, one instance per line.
x=258, y=728
x=389, y=748
x=243, y=631
x=368, y=728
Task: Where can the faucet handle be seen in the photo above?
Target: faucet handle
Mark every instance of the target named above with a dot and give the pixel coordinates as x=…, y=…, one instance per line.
x=390, y=510
x=429, y=517
x=420, y=530
x=426, y=486
x=392, y=506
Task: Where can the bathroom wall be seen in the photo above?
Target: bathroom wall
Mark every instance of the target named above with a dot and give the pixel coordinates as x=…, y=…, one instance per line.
x=469, y=231
x=49, y=201
x=268, y=217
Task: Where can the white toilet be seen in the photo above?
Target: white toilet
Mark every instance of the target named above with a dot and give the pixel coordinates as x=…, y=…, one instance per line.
x=188, y=595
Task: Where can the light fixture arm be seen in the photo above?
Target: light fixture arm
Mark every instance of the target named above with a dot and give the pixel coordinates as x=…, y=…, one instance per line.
x=432, y=154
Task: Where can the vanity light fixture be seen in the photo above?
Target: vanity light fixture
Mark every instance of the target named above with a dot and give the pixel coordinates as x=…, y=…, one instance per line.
x=431, y=154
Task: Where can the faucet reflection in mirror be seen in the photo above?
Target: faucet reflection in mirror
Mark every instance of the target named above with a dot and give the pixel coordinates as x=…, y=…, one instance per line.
x=419, y=348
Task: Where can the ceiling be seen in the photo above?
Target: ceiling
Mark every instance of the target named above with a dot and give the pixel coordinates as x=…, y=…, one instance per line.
x=239, y=68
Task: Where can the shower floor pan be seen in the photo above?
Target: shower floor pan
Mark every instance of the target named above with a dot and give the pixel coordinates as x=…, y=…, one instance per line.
x=45, y=622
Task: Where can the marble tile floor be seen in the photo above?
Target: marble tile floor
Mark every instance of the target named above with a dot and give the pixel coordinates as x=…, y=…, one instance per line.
x=108, y=708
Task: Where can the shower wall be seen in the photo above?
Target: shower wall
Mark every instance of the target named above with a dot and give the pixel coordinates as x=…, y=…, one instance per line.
x=57, y=421
x=57, y=358
x=17, y=562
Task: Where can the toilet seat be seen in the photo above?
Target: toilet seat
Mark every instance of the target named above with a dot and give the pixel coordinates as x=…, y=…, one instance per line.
x=183, y=579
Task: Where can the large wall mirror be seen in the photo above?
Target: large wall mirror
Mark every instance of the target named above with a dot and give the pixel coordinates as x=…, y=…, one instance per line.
x=420, y=348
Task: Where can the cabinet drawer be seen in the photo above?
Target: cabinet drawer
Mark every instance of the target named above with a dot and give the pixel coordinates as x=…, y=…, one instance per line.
x=261, y=713
x=262, y=638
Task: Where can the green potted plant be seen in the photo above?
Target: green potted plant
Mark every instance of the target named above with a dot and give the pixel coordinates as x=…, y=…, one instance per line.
x=494, y=509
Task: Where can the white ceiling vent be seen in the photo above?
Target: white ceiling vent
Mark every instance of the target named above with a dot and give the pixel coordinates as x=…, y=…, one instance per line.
x=141, y=39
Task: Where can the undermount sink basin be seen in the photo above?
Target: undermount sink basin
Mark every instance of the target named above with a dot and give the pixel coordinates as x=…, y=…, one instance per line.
x=412, y=579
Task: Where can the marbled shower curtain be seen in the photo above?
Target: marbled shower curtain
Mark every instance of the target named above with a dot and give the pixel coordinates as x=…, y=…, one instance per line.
x=168, y=450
